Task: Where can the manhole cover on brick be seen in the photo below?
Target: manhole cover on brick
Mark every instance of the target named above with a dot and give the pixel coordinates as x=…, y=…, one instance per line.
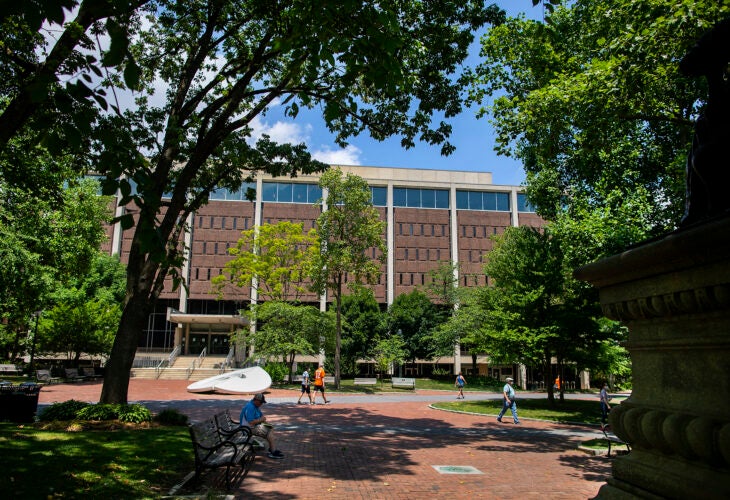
x=456, y=469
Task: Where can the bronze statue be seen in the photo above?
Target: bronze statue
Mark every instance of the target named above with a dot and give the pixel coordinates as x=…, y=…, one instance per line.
x=708, y=169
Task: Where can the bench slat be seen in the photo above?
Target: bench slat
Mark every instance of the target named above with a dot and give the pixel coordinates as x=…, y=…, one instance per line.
x=213, y=449
x=403, y=382
x=365, y=381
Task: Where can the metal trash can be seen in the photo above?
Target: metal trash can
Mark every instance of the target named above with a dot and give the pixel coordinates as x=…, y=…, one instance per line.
x=19, y=403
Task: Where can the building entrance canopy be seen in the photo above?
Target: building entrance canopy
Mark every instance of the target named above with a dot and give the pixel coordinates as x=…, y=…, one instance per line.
x=209, y=320
x=195, y=332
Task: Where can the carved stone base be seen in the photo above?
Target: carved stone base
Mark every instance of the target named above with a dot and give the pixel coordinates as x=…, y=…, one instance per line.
x=674, y=296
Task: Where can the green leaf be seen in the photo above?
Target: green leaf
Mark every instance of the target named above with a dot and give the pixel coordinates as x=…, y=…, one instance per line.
x=132, y=74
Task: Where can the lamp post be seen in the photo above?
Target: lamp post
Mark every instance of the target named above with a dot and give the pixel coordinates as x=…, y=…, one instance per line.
x=36, y=315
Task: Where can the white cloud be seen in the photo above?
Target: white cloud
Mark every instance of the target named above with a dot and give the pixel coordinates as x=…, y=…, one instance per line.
x=280, y=132
x=348, y=156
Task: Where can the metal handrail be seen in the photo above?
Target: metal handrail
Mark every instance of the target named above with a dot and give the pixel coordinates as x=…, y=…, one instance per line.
x=199, y=362
x=173, y=355
x=227, y=362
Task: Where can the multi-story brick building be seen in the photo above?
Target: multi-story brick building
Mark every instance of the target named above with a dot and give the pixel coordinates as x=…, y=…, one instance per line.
x=432, y=216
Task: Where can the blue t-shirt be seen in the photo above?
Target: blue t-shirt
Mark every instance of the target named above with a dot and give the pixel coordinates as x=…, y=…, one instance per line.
x=460, y=381
x=509, y=391
x=249, y=412
x=305, y=378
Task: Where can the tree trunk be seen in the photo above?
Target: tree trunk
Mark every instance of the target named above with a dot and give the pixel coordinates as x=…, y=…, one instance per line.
x=118, y=368
x=290, y=364
x=338, y=328
x=549, y=378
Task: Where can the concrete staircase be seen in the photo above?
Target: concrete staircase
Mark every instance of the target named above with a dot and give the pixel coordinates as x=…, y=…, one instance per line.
x=179, y=369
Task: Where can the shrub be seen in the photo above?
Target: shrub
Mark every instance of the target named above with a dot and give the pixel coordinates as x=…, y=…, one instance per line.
x=277, y=371
x=98, y=412
x=170, y=416
x=66, y=410
x=76, y=410
x=134, y=414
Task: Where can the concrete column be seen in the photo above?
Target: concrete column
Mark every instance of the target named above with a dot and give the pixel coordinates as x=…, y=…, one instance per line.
x=454, y=229
x=584, y=376
x=390, y=237
x=514, y=213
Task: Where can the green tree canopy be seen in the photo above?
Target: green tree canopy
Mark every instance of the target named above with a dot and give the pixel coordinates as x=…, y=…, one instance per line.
x=361, y=327
x=274, y=258
x=592, y=102
x=388, y=352
x=350, y=243
x=537, y=310
x=286, y=330
x=55, y=71
x=46, y=245
x=415, y=317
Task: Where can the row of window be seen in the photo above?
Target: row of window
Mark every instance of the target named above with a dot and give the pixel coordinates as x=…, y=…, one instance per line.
x=410, y=229
x=436, y=254
x=407, y=229
x=415, y=279
x=478, y=231
x=426, y=254
x=235, y=224
x=404, y=279
x=296, y=192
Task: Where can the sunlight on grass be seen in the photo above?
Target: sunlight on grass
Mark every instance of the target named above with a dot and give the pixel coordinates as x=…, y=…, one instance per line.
x=569, y=411
x=92, y=464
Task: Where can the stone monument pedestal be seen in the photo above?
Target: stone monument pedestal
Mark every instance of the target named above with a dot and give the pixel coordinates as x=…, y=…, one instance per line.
x=673, y=294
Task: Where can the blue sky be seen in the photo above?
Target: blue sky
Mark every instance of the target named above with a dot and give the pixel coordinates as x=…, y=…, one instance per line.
x=474, y=139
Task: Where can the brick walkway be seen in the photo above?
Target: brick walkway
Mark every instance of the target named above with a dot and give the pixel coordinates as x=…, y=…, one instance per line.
x=386, y=447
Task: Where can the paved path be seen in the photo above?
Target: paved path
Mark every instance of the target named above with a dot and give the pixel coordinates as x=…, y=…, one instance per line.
x=387, y=446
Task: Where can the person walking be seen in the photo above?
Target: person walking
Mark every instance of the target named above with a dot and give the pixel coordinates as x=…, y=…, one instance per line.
x=508, y=395
x=305, y=388
x=251, y=415
x=319, y=385
x=605, y=407
x=460, y=383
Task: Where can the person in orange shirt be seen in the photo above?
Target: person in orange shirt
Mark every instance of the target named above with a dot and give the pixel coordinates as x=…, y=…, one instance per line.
x=557, y=383
x=319, y=385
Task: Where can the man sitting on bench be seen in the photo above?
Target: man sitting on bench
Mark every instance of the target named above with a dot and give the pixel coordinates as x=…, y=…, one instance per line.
x=251, y=415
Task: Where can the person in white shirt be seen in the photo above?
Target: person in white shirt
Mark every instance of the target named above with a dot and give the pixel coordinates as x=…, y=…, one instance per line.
x=508, y=395
x=305, y=388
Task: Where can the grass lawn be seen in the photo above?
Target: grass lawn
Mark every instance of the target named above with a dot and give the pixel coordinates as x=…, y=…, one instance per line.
x=569, y=411
x=118, y=464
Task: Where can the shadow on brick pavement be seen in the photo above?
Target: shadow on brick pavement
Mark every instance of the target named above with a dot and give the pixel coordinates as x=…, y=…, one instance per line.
x=369, y=447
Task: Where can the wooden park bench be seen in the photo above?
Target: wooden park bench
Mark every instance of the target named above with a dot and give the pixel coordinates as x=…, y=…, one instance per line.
x=409, y=383
x=72, y=375
x=231, y=429
x=90, y=373
x=212, y=451
x=45, y=377
x=9, y=369
x=611, y=438
x=365, y=381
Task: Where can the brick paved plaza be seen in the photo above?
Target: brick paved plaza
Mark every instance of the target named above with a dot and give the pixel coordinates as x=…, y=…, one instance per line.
x=386, y=446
